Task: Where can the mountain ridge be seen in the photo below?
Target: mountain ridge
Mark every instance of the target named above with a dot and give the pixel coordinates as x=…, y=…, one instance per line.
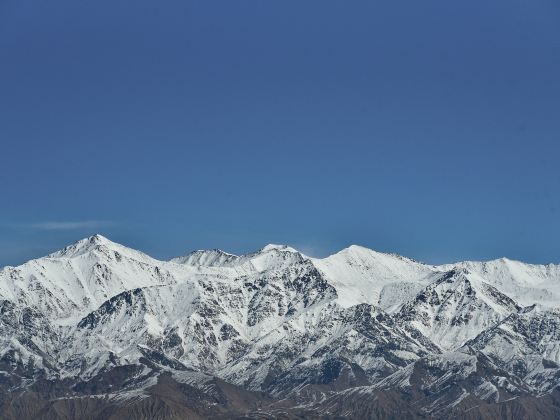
x=303, y=335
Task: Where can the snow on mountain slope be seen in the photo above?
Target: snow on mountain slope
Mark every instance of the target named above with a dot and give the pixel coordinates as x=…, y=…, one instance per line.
x=103, y=246
x=440, y=386
x=28, y=340
x=313, y=346
x=76, y=280
x=207, y=258
x=456, y=307
x=202, y=322
x=361, y=275
x=525, y=283
x=271, y=257
x=526, y=343
x=217, y=262
x=69, y=283
x=98, y=315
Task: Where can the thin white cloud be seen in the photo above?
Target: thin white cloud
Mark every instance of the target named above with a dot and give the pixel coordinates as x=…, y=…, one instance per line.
x=85, y=224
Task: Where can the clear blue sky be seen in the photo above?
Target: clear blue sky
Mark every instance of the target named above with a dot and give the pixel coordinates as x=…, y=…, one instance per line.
x=427, y=128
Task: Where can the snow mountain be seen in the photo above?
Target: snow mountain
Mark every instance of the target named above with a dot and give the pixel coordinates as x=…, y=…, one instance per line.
x=104, y=331
x=456, y=306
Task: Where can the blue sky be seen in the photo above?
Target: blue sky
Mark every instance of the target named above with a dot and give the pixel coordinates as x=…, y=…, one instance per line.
x=430, y=129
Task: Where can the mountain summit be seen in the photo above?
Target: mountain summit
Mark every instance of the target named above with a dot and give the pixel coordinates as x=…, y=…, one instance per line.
x=104, y=331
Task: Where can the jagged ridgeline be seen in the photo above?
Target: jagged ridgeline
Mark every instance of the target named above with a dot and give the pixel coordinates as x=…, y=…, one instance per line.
x=98, y=330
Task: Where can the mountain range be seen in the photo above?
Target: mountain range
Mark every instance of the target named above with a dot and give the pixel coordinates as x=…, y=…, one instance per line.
x=101, y=331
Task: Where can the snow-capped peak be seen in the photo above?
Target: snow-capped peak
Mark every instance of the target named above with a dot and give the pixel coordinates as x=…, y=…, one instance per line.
x=526, y=283
x=99, y=244
x=359, y=252
x=276, y=247
x=82, y=246
x=362, y=275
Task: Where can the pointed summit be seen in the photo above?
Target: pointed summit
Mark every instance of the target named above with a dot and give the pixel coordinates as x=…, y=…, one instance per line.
x=98, y=244
x=362, y=275
x=82, y=246
x=276, y=247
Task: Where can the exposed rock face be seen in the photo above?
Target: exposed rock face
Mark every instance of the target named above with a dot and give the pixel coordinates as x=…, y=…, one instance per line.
x=98, y=330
